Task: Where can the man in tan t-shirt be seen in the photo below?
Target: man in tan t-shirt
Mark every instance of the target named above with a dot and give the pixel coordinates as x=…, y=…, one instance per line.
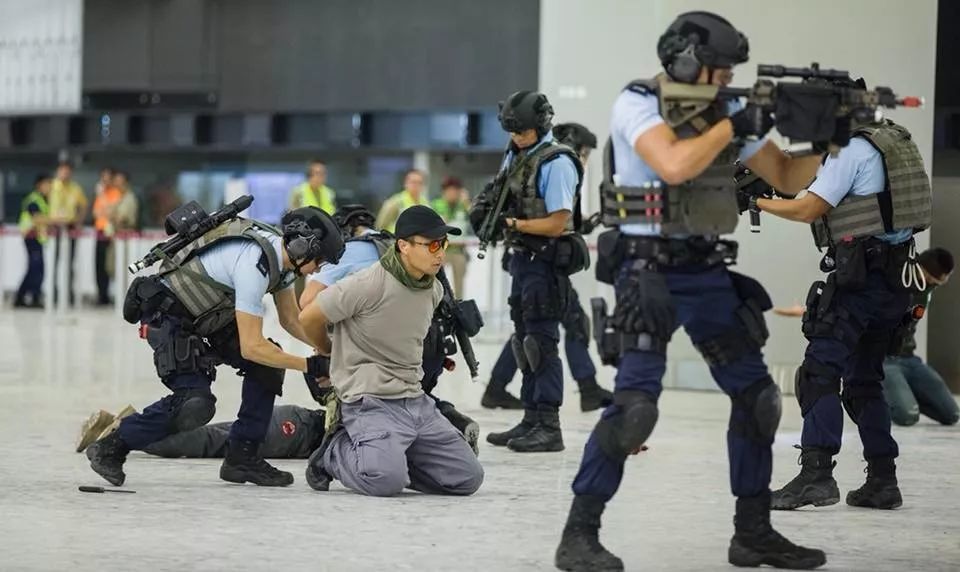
x=392, y=436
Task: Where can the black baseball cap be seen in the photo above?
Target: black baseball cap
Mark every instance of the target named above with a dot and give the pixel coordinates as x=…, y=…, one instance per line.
x=423, y=221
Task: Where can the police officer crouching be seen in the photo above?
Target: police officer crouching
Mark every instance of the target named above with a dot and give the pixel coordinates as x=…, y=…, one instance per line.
x=865, y=206
x=668, y=192
x=204, y=308
x=541, y=179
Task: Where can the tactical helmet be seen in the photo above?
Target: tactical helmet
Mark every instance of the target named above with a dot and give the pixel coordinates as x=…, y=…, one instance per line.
x=526, y=110
x=697, y=39
x=349, y=217
x=311, y=235
x=574, y=135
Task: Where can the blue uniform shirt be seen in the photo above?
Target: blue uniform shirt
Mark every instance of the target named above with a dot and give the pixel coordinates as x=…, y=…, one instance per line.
x=557, y=183
x=356, y=256
x=856, y=170
x=633, y=115
x=234, y=264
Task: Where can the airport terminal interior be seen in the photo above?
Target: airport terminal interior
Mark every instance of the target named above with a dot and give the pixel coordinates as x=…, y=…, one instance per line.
x=373, y=148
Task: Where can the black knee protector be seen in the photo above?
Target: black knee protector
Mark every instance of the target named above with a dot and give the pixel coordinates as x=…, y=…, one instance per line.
x=537, y=349
x=516, y=347
x=192, y=408
x=854, y=398
x=808, y=390
x=626, y=430
x=755, y=412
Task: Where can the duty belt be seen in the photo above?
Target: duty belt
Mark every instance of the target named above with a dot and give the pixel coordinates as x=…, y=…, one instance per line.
x=679, y=251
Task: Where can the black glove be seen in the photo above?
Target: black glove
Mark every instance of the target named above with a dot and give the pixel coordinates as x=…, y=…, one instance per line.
x=318, y=366
x=751, y=120
x=479, y=208
x=644, y=304
x=318, y=393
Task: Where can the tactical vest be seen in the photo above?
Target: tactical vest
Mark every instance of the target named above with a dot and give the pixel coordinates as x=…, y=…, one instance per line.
x=382, y=241
x=210, y=303
x=705, y=205
x=905, y=201
x=523, y=173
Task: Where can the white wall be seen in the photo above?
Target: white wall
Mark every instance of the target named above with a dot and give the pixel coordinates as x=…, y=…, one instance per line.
x=590, y=50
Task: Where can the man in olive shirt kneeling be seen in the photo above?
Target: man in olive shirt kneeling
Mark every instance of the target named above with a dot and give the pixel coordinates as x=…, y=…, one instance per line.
x=392, y=434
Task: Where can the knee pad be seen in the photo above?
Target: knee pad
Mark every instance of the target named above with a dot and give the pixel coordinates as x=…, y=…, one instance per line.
x=808, y=390
x=520, y=356
x=756, y=411
x=537, y=349
x=629, y=427
x=193, y=408
x=854, y=398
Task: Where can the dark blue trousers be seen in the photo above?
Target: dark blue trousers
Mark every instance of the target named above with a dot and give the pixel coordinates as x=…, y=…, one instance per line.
x=156, y=420
x=855, y=352
x=538, y=299
x=705, y=301
x=32, y=283
x=578, y=356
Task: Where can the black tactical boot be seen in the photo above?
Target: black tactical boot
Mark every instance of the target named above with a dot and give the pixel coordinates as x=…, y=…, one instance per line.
x=544, y=437
x=880, y=490
x=814, y=485
x=244, y=464
x=525, y=426
x=497, y=396
x=468, y=427
x=755, y=542
x=580, y=548
x=592, y=396
x=107, y=456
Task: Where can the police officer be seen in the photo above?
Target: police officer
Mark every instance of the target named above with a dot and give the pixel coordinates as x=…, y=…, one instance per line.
x=669, y=192
x=865, y=206
x=576, y=323
x=205, y=307
x=543, y=180
x=34, y=216
x=364, y=247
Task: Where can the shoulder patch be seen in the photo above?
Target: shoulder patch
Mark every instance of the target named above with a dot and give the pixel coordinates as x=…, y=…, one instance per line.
x=263, y=265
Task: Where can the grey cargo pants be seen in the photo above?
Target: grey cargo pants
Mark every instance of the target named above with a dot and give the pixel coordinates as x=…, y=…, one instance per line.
x=390, y=444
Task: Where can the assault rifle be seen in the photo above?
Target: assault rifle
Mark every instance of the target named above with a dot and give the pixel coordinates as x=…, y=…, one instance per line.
x=186, y=224
x=465, y=320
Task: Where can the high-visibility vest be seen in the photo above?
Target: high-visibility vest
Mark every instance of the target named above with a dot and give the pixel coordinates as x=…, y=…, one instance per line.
x=322, y=198
x=26, y=223
x=406, y=201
